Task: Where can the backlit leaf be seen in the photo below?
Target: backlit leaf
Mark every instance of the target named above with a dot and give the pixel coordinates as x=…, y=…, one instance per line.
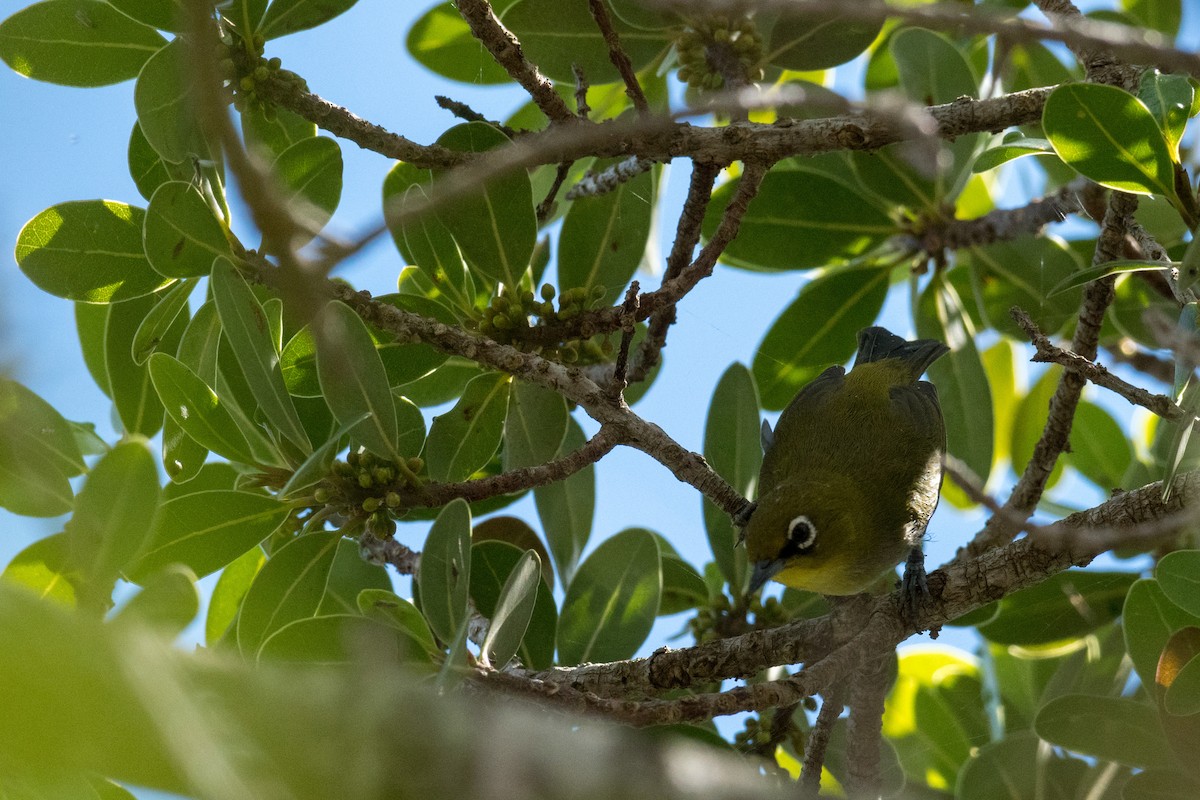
x=287, y=588
x=465, y=438
x=181, y=235
x=733, y=448
x=566, y=508
x=444, y=573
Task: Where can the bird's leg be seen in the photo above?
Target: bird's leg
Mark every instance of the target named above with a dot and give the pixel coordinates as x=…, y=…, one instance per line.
x=914, y=586
x=741, y=518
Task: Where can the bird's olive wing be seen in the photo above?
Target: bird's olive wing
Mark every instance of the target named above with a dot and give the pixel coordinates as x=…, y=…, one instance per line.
x=790, y=431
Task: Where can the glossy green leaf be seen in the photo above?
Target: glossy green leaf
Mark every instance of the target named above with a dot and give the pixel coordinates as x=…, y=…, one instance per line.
x=354, y=381
x=138, y=405
x=444, y=572
x=1010, y=150
x=147, y=168
x=1022, y=272
x=556, y=36
x=1170, y=99
x=1109, y=136
x=88, y=250
x=1099, y=448
x=566, y=508
x=683, y=586
x=316, y=467
x=213, y=475
x=200, y=345
x=76, y=43
x=425, y=241
x=1066, y=606
x=1178, y=575
x=816, y=331
x=1150, y=618
x=604, y=238
x=495, y=227
x=1112, y=728
x=311, y=174
x=960, y=378
x=892, y=173
x=492, y=564
x=166, y=15
x=733, y=448
x=90, y=322
x=388, y=607
x=245, y=328
x=44, y=568
x=517, y=533
x=38, y=453
x=164, y=103
x=227, y=595
x=182, y=456
x=818, y=39
x=800, y=219
x=181, y=235
x=514, y=608
x=949, y=712
x=1015, y=767
x=534, y=426
x=111, y=524
x=465, y=438
x=1159, y=784
x=335, y=640
x=197, y=410
x=270, y=137
x=611, y=602
x=288, y=587
x=157, y=325
x=441, y=41
x=442, y=385
x=289, y=16
x=168, y=602
x=350, y=576
x=207, y=530
x=1104, y=270
x=1160, y=15
x=1182, y=697
x=921, y=671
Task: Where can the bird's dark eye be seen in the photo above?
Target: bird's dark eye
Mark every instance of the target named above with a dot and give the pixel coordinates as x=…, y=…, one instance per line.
x=801, y=537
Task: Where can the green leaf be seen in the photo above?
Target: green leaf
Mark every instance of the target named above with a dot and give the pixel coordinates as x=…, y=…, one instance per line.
x=1178, y=574
x=492, y=564
x=208, y=530
x=800, y=219
x=818, y=39
x=1099, y=448
x=556, y=36
x=442, y=385
x=270, y=137
x=683, y=586
x=147, y=168
x=1150, y=618
x=517, y=533
x=1111, y=728
x=45, y=568
x=1111, y=137
x=1104, y=270
x=816, y=331
x=566, y=508
x=311, y=174
x=201, y=343
x=76, y=43
x=1158, y=784
x=88, y=250
x=354, y=381
x=1017, y=766
x=182, y=456
x=168, y=602
x=1066, y=606
x=288, y=587
x=1182, y=697
x=197, y=410
x=90, y=321
x=604, y=238
x=495, y=227
x=441, y=41
x=1009, y=150
x=385, y=606
x=181, y=235
x=351, y=575
x=611, y=603
x=1169, y=98
x=289, y=16
x=158, y=324
x=465, y=438
x=444, y=572
x=1030, y=419
x=111, y=524
x=335, y=640
x=425, y=241
x=133, y=393
x=514, y=608
x=733, y=448
x=316, y=467
x=962, y=383
x=166, y=15
x=246, y=329
x=226, y=599
x=38, y=453
x=164, y=103
x=534, y=426
x=1159, y=15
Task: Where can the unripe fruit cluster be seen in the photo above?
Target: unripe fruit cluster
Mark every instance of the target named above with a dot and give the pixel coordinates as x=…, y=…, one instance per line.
x=367, y=484
x=768, y=613
x=510, y=311
x=737, y=36
x=244, y=68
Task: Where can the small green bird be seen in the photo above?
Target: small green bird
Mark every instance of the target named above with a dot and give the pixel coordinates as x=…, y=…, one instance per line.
x=851, y=474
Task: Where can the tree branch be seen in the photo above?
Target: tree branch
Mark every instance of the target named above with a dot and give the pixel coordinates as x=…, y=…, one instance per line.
x=617, y=55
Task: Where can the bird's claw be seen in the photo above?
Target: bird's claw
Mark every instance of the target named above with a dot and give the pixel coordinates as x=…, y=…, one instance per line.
x=914, y=586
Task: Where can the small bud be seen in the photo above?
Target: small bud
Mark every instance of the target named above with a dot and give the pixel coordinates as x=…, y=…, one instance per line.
x=547, y=292
x=275, y=63
x=415, y=465
x=392, y=500
x=364, y=480
x=321, y=495
x=370, y=504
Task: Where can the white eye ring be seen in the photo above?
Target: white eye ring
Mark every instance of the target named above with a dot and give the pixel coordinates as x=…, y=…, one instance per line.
x=802, y=534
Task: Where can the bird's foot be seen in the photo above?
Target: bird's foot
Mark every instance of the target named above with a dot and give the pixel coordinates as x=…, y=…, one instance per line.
x=914, y=586
x=741, y=518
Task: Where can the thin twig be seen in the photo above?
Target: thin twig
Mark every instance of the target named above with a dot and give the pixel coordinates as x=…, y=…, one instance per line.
x=818, y=741
x=465, y=112
x=618, y=56
x=620, y=378
x=546, y=208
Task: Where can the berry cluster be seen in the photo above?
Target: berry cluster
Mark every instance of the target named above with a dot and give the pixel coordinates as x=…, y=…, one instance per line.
x=713, y=621
x=365, y=484
x=244, y=68
x=713, y=48
x=509, y=314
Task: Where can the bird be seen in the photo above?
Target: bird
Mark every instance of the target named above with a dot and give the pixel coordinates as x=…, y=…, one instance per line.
x=851, y=474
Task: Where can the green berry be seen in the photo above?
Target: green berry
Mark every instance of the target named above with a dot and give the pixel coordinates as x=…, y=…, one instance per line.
x=364, y=480
x=321, y=495
x=547, y=292
x=370, y=504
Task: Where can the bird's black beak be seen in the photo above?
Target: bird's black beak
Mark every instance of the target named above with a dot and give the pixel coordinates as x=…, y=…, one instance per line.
x=763, y=572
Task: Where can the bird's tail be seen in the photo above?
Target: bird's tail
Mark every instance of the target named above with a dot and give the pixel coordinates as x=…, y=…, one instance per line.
x=877, y=344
